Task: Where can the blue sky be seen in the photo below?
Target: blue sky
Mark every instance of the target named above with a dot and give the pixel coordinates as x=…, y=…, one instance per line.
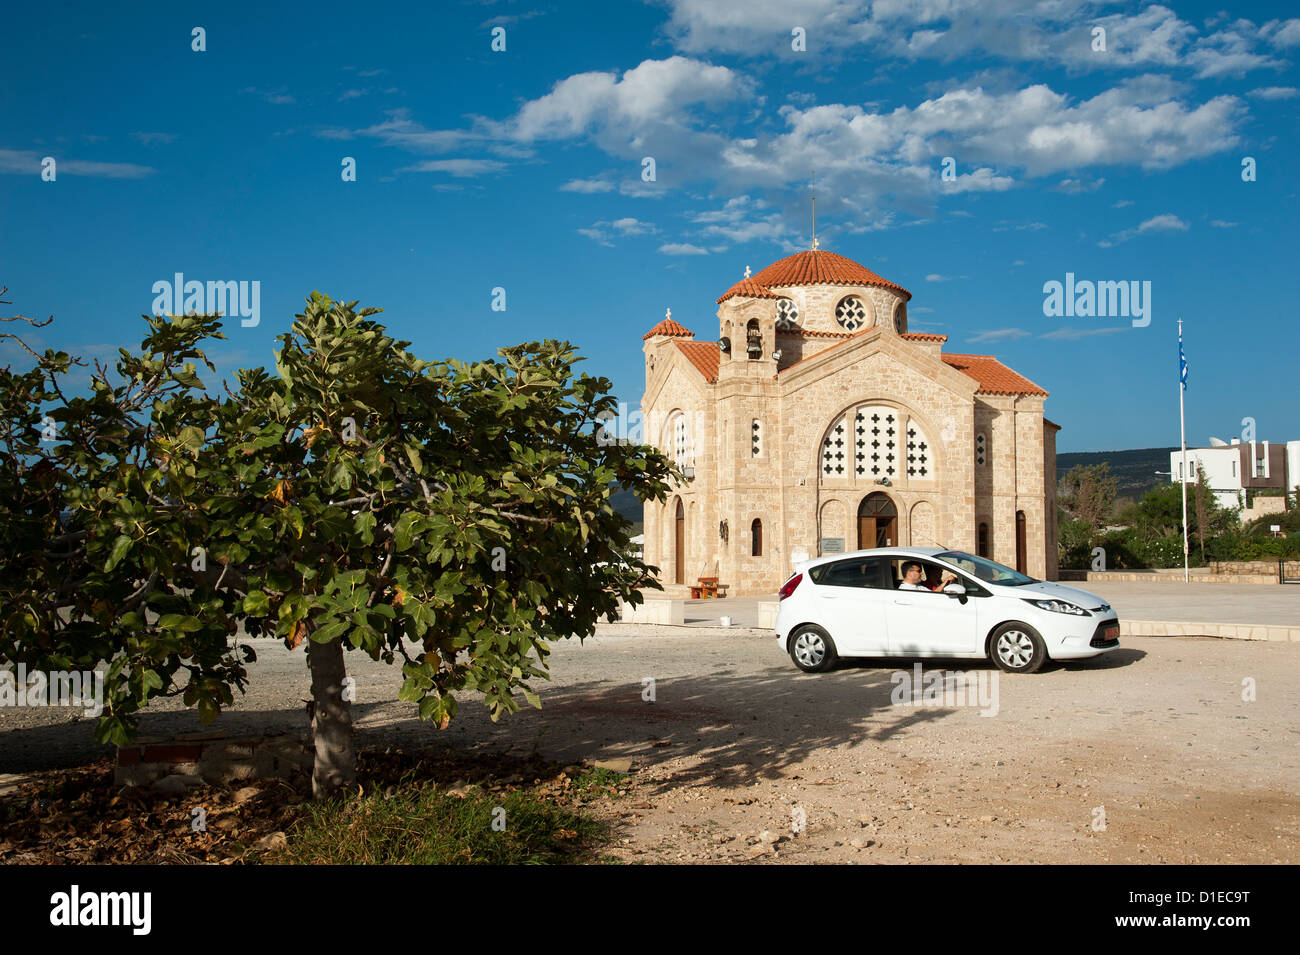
x=522, y=169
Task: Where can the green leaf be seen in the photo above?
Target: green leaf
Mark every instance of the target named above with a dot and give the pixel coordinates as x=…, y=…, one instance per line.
x=331, y=631
x=120, y=547
x=176, y=621
x=413, y=456
x=404, y=531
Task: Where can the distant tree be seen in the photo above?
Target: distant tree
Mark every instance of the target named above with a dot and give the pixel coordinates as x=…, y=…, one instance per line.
x=1087, y=493
x=1204, y=500
x=1126, y=512
x=1160, y=513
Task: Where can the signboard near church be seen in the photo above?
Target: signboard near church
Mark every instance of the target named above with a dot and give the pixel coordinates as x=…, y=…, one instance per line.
x=832, y=545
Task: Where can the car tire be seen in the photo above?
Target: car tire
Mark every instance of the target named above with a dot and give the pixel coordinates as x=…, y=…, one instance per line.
x=1017, y=648
x=812, y=649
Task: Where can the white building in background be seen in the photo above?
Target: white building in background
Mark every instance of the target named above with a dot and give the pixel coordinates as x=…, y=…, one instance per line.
x=1232, y=469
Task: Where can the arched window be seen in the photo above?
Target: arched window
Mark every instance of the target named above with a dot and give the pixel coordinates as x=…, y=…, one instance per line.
x=679, y=543
x=756, y=538
x=753, y=339
x=680, y=446
x=1022, y=551
x=900, y=318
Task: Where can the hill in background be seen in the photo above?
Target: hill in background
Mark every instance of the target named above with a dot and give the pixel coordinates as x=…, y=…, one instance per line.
x=1134, y=471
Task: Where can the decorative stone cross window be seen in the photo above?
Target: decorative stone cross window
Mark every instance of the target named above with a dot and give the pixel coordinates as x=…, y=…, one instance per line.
x=851, y=313
x=787, y=314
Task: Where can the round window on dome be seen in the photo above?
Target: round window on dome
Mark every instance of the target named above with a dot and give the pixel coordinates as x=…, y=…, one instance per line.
x=852, y=314
x=787, y=314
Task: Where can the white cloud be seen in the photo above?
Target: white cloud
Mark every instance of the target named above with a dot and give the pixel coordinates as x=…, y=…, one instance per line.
x=1072, y=333
x=998, y=335
x=1168, y=222
x=682, y=248
x=460, y=168
x=1222, y=224
x=602, y=232
x=652, y=95
x=871, y=165
x=27, y=162
x=148, y=139
x=1058, y=32
x=1075, y=187
x=743, y=219
x=1274, y=92
x=587, y=186
x=279, y=97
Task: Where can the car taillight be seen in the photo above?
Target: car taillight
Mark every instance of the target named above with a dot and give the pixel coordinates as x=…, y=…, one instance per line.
x=790, y=585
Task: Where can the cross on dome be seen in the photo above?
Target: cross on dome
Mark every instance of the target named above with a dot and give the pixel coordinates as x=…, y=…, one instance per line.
x=668, y=313
x=747, y=271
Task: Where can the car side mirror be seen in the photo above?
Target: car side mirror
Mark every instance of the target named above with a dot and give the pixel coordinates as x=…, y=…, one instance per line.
x=955, y=590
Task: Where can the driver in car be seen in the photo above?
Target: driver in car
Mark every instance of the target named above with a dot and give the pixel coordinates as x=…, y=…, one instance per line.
x=914, y=578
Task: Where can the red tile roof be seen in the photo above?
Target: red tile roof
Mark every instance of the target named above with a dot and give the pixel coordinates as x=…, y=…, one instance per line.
x=748, y=288
x=923, y=337
x=819, y=267
x=1052, y=424
x=994, y=377
x=668, y=327
x=704, y=356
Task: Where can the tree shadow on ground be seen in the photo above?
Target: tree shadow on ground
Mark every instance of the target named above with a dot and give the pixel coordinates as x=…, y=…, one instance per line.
x=725, y=727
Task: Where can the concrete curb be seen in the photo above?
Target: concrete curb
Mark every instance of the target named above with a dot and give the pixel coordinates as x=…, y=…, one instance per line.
x=1228, y=631
x=1153, y=577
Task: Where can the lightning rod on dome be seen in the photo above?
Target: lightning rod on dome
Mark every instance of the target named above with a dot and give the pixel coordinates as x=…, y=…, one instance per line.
x=814, y=210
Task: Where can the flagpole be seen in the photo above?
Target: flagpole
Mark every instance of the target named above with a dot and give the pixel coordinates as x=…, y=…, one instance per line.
x=1182, y=432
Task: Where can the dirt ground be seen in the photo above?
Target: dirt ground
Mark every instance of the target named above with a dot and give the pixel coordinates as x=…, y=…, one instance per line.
x=1149, y=754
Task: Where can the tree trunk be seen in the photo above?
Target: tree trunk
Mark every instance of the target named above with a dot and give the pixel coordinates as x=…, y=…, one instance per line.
x=335, y=767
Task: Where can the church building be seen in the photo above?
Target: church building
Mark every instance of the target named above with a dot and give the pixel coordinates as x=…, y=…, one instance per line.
x=815, y=423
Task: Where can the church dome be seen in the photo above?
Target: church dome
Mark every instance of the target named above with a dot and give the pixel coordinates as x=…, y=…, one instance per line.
x=819, y=267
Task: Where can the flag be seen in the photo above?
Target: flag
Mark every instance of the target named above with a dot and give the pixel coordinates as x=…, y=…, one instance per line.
x=1182, y=362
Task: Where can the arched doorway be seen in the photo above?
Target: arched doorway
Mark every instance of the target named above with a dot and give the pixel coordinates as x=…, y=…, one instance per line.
x=1021, y=549
x=877, y=522
x=679, y=562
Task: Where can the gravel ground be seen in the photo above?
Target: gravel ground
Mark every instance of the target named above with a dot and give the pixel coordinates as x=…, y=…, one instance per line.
x=1147, y=754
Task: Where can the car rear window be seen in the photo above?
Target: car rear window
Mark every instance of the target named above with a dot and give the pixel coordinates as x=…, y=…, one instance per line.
x=872, y=572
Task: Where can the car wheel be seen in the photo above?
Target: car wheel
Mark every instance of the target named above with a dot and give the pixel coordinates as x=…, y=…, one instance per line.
x=1017, y=648
x=812, y=649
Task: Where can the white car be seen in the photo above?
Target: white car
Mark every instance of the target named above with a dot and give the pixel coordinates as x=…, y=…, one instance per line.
x=861, y=604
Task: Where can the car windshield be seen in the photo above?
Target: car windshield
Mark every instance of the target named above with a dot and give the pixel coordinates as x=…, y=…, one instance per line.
x=986, y=570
